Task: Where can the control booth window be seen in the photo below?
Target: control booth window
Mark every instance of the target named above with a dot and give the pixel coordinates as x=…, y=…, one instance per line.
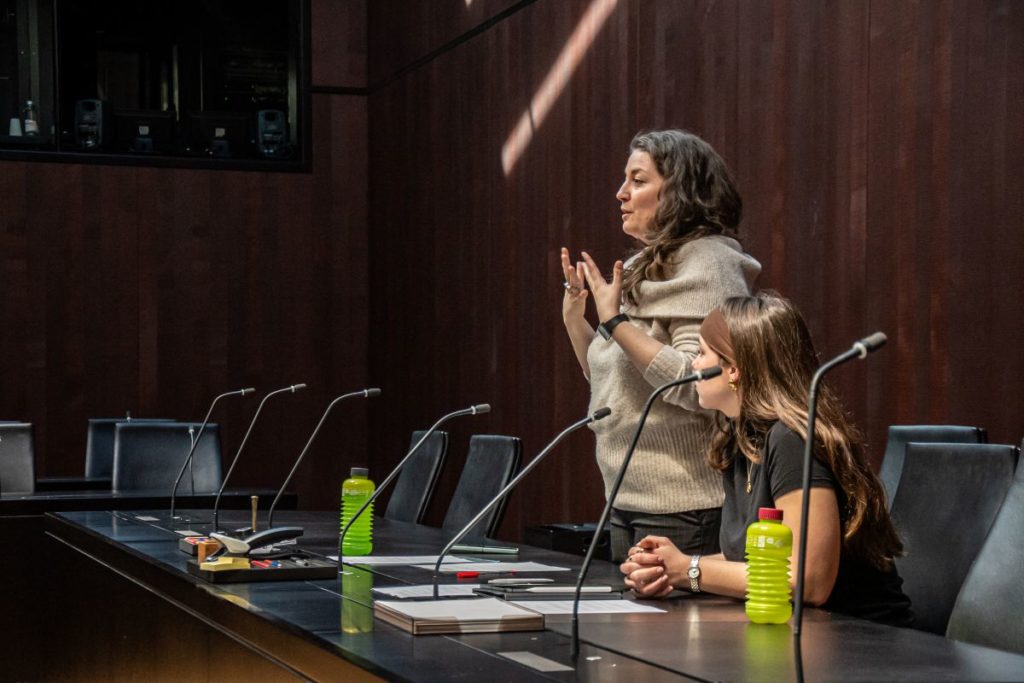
x=200, y=82
x=26, y=75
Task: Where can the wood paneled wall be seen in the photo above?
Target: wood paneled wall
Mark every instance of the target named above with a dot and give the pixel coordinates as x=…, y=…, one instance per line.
x=878, y=147
x=152, y=290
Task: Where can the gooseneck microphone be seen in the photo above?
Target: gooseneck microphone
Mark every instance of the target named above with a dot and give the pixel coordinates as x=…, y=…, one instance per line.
x=699, y=375
x=472, y=410
x=195, y=441
x=860, y=349
x=224, y=482
x=598, y=414
x=366, y=393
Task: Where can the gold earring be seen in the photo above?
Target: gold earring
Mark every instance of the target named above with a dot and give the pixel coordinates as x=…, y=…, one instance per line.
x=732, y=384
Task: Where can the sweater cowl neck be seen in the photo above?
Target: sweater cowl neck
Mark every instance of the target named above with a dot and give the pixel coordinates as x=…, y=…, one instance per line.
x=691, y=269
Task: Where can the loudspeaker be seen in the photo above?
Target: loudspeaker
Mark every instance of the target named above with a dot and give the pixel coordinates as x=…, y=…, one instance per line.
x=272, y=133
x=92, y=124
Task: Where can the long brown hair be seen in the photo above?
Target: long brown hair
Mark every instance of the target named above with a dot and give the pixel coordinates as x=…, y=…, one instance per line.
x=698, y=198
x=776, y=360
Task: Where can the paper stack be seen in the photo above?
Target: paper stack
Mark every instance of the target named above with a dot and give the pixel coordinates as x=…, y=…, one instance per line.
x=485, y=615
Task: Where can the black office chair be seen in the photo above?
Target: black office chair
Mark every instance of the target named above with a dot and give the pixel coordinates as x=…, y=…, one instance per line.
x=17, y=458
x=989, y=608
x=945, y=505
x=148, y=457
x=99, y=444
x=901, y=435
x=415, y=485
x=491, y=463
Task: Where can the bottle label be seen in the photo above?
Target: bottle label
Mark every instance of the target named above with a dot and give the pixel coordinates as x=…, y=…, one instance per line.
x=31, y=127
x=767, y=545
x=769, y=542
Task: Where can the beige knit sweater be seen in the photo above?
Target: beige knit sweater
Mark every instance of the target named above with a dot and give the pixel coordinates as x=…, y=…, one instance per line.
x=669, y=471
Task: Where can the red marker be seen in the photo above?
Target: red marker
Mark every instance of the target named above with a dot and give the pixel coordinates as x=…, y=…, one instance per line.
x=466, y=575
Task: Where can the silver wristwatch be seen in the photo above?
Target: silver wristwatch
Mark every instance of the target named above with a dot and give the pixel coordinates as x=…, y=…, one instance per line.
x=694, y=573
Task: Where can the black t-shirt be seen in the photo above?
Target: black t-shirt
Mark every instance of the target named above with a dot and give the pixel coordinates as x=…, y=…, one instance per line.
x=860, y=590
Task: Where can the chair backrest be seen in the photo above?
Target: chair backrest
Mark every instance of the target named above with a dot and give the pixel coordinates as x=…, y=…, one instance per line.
x=943, y=510
x=989, y=608
x=491, y=463
x=901, y=435
x=148, y=457
x=415, y=485
x=99, y=444
x=17, y=458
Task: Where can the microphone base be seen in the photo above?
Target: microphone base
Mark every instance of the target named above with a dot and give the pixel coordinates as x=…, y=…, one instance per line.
x=179, y=522
x=190, y=545
x=195, y=523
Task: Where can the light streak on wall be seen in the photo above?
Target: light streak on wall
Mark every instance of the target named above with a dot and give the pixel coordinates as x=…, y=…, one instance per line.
x=555, y=81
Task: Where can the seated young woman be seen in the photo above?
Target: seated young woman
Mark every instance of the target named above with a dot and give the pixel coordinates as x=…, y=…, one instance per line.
x=768, y=359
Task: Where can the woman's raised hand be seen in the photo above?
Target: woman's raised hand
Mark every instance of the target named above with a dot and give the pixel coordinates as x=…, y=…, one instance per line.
x=574, y=303
x=607, y=295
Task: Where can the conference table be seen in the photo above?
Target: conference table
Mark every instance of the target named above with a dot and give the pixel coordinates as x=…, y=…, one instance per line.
x=27, y=568
x=127, y=607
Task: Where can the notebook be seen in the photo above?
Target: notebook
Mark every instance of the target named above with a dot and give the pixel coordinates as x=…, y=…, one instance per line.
x=473, y=615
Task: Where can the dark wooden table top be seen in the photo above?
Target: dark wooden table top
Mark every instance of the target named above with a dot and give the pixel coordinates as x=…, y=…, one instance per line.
x=697, y=638
x=38, y=503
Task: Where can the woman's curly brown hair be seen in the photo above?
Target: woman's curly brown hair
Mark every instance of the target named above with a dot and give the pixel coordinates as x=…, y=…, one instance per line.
x=698, y=198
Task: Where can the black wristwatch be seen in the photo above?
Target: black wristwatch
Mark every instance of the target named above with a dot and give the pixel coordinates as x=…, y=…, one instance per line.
x=608, y=326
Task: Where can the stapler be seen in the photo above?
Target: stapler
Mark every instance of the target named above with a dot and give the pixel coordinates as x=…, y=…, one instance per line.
x=234, y=552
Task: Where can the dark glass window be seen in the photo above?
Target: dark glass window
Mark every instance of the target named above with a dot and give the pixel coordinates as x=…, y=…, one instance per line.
x=26, y=75
x=169, y=79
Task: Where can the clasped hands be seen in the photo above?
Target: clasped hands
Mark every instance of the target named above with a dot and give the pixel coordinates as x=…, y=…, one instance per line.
x=607, y=294
x=653, y=566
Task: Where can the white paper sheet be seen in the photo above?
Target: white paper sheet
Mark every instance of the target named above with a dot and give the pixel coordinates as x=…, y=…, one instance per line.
x=491, y=567
x=397, y=559
x=587, y=606
x=427, y=590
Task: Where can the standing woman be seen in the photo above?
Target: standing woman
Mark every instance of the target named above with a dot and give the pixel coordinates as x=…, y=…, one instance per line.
x=679, y=202
x=767, y=360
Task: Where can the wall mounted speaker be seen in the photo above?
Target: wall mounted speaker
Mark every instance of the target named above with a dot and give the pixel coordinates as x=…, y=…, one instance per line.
x=92, y=124
x=272, y=133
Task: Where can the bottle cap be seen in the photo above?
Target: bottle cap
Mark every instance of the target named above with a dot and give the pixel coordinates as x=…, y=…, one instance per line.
x=770, y=513
x=365, y=472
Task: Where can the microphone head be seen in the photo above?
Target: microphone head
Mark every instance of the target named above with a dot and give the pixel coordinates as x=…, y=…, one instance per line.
x=874, y=341
x=369, y=393
x=600, y=414
x=708, y=373
x=481, y=408
x=296, y=387
x=247, y=390
x=870, y=343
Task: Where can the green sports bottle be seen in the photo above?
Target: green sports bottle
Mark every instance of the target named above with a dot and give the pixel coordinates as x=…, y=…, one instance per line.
x=769, y=544
x=354, y=492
